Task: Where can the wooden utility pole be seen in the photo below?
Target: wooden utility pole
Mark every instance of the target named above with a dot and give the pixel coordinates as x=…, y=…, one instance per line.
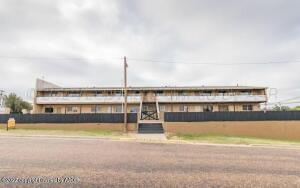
x=125, y=94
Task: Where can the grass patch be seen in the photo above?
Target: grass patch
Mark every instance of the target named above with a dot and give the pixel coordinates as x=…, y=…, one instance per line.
x=222, y=139
x=59, y=132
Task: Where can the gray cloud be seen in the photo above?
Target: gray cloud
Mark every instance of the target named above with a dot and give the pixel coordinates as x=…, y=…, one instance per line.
x=81, y=43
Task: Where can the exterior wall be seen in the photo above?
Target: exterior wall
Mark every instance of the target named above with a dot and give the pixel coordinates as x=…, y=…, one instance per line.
x=77, y=126
x=112, y=108
x=104, y=108
x=261, y=129
x=3, y=109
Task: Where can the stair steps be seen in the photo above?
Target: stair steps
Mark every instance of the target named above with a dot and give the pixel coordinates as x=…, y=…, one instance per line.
x=150, y=128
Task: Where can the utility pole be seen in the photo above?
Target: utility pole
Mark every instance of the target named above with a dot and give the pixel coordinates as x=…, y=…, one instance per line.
x=125, y=94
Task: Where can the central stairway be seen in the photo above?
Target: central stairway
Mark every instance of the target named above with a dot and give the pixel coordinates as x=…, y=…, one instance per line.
x=149, y=122
x=150, y=128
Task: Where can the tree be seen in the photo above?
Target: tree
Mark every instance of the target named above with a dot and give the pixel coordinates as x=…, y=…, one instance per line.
x=281, y=108
x=296, y=108
x=16, y=104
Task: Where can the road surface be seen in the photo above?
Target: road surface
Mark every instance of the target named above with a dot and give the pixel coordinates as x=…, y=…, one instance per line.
x=107, y=163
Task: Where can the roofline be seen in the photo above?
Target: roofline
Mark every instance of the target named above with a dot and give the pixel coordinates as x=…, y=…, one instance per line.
x=150, y=88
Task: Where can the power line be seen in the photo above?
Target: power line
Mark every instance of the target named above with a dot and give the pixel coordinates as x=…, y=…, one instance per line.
x=45, y=57
x=62, y=59
x=198, y=62
x=213, y=63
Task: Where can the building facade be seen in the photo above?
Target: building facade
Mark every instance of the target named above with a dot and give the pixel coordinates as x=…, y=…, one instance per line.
x=148, y=102
x=3, y=109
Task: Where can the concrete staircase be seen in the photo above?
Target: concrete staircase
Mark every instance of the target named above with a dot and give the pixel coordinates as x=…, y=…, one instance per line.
x=150, y=128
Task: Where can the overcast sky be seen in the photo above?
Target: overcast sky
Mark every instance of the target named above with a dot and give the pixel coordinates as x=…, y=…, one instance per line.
x=81, y=43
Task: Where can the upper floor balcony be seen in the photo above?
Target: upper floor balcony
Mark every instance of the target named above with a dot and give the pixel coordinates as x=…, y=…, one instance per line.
x=87, y=100
x=162, y=99
x=215, y=98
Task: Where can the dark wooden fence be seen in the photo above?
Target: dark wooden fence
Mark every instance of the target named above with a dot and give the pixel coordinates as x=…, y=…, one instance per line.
x=231, y=116
x=69, y=118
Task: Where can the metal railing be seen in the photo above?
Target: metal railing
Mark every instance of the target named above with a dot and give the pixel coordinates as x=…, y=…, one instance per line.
x=86, y=100
x=223, y=98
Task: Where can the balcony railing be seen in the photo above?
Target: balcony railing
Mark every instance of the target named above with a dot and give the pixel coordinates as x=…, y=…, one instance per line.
x=137, y=99
x=86, y=100
x=235, y=98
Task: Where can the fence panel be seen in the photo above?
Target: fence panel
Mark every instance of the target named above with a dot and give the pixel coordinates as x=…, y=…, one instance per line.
x=231, y=116
x=69, y=118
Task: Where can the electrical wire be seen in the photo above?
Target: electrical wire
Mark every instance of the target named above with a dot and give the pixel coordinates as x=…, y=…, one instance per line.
x=214, y=63
x=198, y=62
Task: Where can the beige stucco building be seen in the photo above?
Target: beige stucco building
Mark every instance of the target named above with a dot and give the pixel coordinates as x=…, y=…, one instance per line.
x=3, y=109
x=148, y=102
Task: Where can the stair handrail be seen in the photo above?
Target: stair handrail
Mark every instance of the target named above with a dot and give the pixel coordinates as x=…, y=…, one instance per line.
x=141, y=105
x=157, y=109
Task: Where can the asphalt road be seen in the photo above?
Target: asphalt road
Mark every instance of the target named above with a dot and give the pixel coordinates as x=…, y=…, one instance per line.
x=105, y=163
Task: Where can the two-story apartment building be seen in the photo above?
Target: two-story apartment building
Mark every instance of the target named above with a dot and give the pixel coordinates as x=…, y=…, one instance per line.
x=149, y=102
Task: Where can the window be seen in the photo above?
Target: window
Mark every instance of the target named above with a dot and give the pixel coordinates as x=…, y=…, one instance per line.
x=95, y=109
x=134, y=110
x=53, y=94
x=119, y=109
x=134, y=93
x=98, y=93
x=74, y=94
x=145, y=108
x=247, y=107
x=183, y=108
x=160, y=93
x=197, y=93
x=162, y=108
x=109, y=109
x=223, y=108
x=72, y=109
x=221, y=93
x=118, y=93
x=229, y=93
x=49, y=110
x=208, y=108
x=206, y=93
x=245, y=92
x=182, y=93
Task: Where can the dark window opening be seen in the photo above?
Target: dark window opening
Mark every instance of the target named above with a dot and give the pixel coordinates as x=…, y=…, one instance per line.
x=49, y=110
x=222, y=93
x=208, y=108
x=247, y=107
x=159, y=92
x=206, y=93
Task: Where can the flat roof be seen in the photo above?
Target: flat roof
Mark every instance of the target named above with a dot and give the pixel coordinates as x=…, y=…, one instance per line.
x=176, y=88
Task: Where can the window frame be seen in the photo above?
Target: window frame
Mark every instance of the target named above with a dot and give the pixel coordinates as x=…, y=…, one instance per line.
x=247, y=107
x=183, y=108
x=118, y=109
x=206, y=108
x=49, y=112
